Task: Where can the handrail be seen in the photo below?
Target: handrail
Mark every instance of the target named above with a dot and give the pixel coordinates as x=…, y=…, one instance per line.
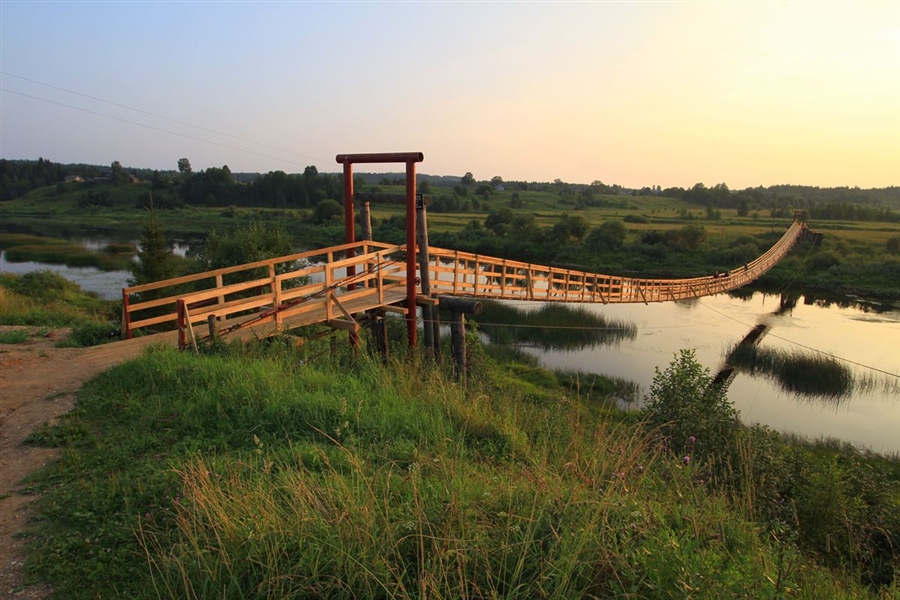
x=276, y=302
x=168, y=292
x=373, y=270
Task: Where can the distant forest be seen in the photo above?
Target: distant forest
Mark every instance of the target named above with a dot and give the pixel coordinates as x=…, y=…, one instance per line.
x=220, y=187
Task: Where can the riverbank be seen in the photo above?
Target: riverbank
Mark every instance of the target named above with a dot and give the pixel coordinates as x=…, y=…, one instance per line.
x=258, y=470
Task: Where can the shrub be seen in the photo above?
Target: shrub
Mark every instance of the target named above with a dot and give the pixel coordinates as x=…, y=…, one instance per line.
x=608, y=236
x=694, y=416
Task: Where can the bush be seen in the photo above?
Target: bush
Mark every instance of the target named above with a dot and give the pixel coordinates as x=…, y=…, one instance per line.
x=822, y=261
x=695, y=417
x=608, y=236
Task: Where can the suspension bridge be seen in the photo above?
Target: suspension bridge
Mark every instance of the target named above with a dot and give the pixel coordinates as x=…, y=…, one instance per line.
x=343, y=286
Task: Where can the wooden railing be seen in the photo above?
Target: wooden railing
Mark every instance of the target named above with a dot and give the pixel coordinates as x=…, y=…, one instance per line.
x=279, y=289
x=233, y=292
x=466, y=274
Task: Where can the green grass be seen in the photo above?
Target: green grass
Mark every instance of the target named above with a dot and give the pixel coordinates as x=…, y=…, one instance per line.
x=552, y=326
x=14, y=337
x=264, y=472
x=46, y=299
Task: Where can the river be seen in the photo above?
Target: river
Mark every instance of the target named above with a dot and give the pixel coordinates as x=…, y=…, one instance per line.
x=867, y=341
x=864, y=340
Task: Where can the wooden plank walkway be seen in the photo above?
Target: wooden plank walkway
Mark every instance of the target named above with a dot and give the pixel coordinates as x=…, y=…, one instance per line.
x=108, y=355
x=333, y=284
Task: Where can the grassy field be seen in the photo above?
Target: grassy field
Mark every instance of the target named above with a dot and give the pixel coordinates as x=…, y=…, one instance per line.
x=259, y=472
x=854, y=258
x=278, y=469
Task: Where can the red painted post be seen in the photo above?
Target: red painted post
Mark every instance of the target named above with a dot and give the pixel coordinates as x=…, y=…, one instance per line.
x=411, y=252
x=349, y=225
x=350, y=232
x=410, y=158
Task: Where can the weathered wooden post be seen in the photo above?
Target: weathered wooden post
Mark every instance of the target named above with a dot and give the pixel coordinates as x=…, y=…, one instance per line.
x=379, y=325
x=459, y=307
x=380, y=335
x=211, y=323
x=430, y=319
x=365, y=218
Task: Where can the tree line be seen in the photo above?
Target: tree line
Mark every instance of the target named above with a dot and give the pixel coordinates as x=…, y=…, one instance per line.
x=219, y=186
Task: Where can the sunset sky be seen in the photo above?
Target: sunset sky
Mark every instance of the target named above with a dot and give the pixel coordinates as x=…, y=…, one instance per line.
x=637, y=94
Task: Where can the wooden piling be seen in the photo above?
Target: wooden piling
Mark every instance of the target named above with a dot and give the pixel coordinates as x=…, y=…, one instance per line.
x=458, y=308
x=428, y=311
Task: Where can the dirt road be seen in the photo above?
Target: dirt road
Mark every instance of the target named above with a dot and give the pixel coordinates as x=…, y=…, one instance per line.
x=37, y=385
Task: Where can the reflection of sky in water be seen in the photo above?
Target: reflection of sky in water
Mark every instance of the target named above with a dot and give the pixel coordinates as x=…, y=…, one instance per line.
x=106, y=284
x=712, y=325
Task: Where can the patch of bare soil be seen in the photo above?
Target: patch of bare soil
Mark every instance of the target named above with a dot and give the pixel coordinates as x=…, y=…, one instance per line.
x=37, y=386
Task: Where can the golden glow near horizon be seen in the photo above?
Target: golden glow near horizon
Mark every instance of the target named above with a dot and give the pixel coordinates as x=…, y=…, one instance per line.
x=671, y=94
x=737, y=93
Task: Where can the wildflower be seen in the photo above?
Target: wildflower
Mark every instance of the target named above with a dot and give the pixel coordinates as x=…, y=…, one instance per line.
x=692, y=439
x=686, y=460
x=640, y=468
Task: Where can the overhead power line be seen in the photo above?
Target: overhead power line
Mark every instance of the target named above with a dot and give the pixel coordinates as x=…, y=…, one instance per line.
x=157, y=116
x=184, y=135
x=784, y=339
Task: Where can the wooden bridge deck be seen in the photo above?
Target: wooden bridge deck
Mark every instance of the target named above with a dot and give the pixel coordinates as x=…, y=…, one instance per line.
x=333, y=284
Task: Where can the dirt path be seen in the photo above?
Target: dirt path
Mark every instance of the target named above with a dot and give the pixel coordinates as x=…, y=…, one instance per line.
x=37, y=385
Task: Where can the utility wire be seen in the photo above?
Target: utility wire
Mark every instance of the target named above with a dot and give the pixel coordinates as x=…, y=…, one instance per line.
x=145, y=112
x=184, y=135
x=846, y=360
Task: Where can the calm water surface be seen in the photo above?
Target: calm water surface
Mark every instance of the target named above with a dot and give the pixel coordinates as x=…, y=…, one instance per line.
x=713, y=325
x=106, y=284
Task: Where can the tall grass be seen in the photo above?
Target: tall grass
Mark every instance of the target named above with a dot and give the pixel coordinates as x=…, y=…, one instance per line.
x=23, y=247
x=44, y=298
x=815, y=376
x=551, y=327
x=261, y=472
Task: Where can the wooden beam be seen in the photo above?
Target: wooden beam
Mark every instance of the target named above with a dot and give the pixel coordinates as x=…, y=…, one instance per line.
x=344, y=325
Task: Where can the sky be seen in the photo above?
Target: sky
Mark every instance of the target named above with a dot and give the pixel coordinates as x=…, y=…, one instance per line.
x=636, y=94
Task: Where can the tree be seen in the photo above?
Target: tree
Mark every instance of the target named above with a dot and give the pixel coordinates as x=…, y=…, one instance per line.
x=184, y=166
x=496, y=180
x=468, y=179
x=609, y=235
x=154, y=257
x=249, y=243
x=515, y=201
x=425, y=187
x=328, y=211
x=499, y=221
x=118, y=173
x=689, y=237
x=570, y=229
